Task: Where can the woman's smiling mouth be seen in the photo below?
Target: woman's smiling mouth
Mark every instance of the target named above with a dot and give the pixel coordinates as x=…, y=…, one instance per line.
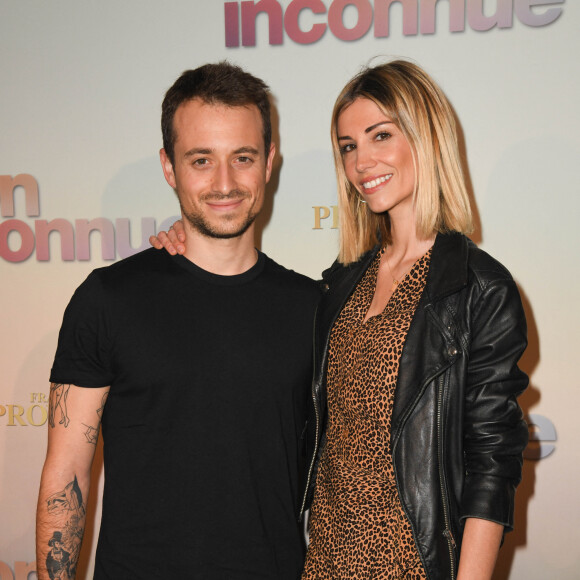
x=377, y=181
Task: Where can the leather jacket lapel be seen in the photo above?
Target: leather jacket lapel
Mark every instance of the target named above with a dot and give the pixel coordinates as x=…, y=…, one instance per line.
x=419, y=365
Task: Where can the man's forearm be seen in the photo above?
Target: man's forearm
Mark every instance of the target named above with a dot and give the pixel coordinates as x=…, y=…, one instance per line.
x=60, y=523
x=73, y=428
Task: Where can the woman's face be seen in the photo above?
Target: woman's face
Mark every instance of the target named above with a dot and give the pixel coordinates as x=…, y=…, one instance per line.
x=377, y=158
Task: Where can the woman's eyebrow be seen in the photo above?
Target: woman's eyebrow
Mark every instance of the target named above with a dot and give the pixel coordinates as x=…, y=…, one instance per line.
x=369, y=129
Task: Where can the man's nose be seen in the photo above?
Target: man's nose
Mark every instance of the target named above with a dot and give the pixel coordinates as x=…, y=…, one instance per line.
x=224, y=179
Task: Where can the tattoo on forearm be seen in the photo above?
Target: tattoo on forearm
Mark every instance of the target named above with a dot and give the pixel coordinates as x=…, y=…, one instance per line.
x=65, y=543
x=92, y=434
x=70, y=499
x=58, y=396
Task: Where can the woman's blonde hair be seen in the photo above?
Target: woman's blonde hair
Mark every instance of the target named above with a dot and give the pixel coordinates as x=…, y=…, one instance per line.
x=413, y=101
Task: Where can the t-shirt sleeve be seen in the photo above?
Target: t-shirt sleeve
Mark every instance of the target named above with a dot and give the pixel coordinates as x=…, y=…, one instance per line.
x=83, y=353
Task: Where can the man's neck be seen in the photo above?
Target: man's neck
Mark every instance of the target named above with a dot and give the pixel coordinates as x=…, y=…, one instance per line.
x=226, y=257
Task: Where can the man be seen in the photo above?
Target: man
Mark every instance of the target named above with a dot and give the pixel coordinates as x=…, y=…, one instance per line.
x=198, y=365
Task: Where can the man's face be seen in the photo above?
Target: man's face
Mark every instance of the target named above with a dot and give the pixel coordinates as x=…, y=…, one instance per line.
x=220, y=169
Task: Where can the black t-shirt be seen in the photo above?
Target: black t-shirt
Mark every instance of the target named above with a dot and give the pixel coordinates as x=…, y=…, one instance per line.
x=202, y=428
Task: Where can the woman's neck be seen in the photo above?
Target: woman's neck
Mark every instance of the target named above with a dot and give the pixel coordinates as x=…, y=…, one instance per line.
x=405, y=243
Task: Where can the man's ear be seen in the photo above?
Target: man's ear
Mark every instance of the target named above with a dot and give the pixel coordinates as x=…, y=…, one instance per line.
x=167, y=167
x=269, y=161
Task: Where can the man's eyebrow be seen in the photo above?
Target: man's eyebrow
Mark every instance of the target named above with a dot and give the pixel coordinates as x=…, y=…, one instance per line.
x=367, y=130
x=207, y=151
x=247, y=149
x=198, y=151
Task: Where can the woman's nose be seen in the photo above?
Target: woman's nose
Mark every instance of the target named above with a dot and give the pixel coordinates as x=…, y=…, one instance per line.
x=364, y=159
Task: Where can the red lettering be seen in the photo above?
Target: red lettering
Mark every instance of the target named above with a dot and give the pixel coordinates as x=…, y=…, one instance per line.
x=291, y=21
x=7, y=187
x=250, y=12
x=43, y=230
x=232, y=22
x=336, y=24
x=26, y=241
x=415, y=14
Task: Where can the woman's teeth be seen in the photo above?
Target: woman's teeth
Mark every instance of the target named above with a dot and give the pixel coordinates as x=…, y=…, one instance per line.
x=377, y=181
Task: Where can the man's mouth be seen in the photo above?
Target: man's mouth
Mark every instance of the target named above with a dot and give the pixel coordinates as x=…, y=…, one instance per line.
x=225, y=199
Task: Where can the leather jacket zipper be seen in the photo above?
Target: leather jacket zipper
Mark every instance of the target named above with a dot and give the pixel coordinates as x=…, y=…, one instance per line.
x=438, y=375
x=451, y=545
x=317, y=412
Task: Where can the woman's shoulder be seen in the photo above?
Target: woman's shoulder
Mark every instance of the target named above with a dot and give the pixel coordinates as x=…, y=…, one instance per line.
x=485, y=268
x=456, y=254
x=458, y=263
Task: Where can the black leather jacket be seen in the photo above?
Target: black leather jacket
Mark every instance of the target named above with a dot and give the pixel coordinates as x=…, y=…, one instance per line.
x=457, y=431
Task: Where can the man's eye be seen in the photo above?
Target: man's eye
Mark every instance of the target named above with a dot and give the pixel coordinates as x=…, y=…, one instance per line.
x=201, y=161
x=244, y=159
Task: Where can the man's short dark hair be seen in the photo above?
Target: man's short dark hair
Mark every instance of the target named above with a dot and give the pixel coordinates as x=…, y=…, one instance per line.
x=215, y=84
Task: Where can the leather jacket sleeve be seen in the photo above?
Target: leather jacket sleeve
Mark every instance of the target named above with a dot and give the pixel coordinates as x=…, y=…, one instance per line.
x=495, y=433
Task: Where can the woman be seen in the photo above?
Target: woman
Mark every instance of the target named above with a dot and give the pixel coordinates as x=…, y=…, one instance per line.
x=417, y=436
x=417, y=343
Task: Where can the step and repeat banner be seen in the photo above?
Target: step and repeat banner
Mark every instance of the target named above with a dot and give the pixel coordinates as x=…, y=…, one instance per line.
x=81, y=84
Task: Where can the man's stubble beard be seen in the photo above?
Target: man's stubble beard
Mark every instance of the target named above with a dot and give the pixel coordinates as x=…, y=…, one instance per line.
x=199, y=223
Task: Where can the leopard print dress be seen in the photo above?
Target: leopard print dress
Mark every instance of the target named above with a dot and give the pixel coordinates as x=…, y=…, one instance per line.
x=358, y=529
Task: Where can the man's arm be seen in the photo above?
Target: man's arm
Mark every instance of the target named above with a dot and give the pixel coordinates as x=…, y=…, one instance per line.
x=74, y=420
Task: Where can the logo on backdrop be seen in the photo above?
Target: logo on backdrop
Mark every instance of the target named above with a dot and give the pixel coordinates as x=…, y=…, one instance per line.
x=19, y=239
x=325, y=217
x=31, y=413
x=418, y=18
x=542, y=437
x=21, y=570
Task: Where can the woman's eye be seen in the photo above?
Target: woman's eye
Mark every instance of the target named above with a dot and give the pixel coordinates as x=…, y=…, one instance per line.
x=382, y=136
x=346, y=148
